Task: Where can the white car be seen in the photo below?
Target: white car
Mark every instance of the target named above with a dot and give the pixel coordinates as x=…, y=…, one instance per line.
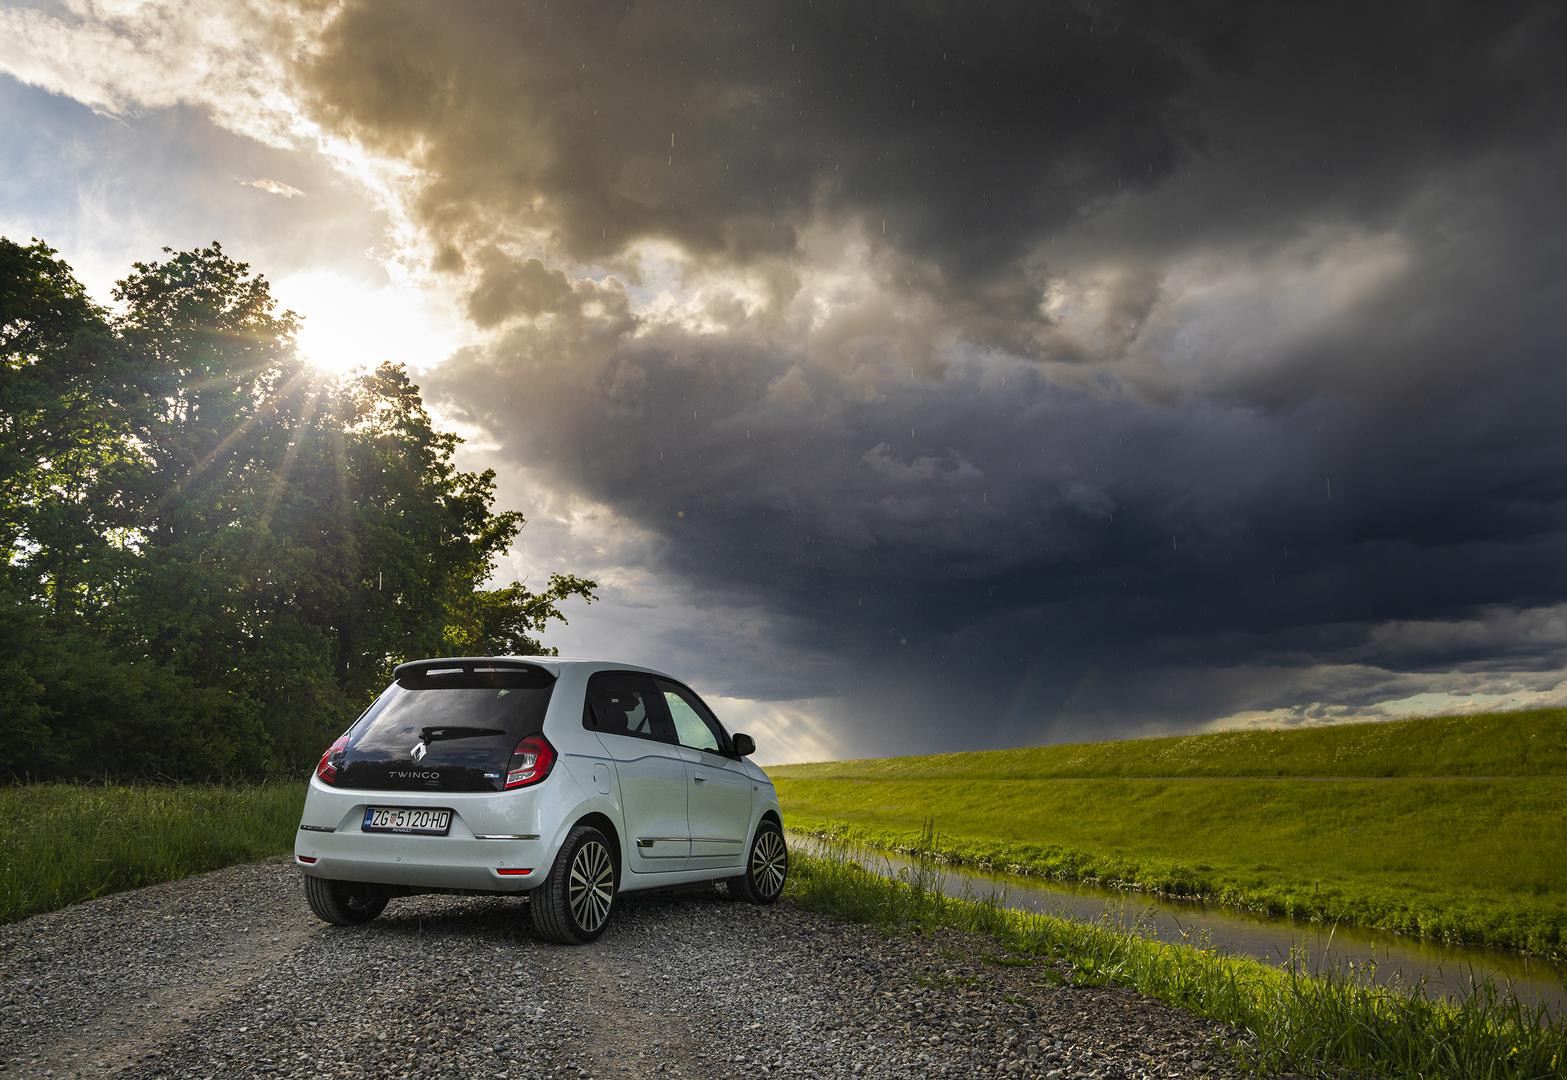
x=568, y=781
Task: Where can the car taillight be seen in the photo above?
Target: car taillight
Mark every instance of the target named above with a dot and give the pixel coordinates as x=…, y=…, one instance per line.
x=530, y=762
x=326, y=768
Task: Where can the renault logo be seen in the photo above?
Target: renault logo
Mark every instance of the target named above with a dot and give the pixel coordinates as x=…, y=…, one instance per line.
x=420, y=750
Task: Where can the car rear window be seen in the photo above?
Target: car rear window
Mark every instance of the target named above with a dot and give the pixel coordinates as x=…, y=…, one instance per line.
x=464, y=723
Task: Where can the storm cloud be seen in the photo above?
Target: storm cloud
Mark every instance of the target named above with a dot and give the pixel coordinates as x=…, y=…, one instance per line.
x=1021, y=375
x=1024, y=374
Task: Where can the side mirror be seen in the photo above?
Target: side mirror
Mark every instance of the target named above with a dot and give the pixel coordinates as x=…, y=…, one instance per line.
x=744, y=745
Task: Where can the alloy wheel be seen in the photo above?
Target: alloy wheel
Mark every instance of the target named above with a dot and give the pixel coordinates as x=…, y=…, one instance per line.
x=769, y=863
x=592, y=886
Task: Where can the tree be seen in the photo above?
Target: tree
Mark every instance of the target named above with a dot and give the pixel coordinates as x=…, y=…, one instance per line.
x=68, y=452
x=238, y=549
x=72, y=464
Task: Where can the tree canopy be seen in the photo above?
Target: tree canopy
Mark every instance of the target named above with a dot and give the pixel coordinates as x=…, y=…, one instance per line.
x=212, y=555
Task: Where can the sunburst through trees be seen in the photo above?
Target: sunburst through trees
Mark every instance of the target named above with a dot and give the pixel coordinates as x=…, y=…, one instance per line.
x=213, y=553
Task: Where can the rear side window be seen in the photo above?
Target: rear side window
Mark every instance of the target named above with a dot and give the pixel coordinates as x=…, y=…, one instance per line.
x=695, y=725
x=623, y=703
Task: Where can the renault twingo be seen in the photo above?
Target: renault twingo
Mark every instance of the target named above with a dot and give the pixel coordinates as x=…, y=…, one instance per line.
x=570, y=781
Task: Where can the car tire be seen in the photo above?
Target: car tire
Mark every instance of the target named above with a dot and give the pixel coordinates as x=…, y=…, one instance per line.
x=343, y=903
x=766, y=866
x=573, y=904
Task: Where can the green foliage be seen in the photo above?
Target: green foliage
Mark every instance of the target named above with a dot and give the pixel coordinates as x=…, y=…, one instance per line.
x=86, y=711
x=67, y=450
x=509, y=620
x=212, y=556
x=1286, y=1022
x=1463, y=858
x=64, y=843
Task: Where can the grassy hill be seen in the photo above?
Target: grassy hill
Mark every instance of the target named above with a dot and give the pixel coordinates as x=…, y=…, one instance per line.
x=1532, y=743
x=1452, y=827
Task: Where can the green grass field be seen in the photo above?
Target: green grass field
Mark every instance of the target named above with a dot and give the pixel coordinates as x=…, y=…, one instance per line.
x=1451, y=828
x=63, y=843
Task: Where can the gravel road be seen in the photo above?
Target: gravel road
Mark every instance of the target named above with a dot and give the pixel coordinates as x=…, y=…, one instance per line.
x=228, y=974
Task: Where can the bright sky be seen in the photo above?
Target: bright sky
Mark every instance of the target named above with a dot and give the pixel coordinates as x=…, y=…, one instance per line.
x=352, y=323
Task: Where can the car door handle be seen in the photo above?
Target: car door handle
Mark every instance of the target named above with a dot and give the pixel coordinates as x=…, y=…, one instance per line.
x=699, y=779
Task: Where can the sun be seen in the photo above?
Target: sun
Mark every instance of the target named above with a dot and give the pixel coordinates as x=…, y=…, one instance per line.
x=350, y=324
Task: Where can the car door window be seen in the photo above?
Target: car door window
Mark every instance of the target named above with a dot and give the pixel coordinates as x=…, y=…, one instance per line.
x=625, y=705
x=694, y=725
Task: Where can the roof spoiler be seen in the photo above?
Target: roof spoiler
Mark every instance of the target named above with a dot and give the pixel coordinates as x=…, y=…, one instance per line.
x=466, y=665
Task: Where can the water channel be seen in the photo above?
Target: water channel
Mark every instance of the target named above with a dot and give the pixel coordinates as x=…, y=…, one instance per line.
x=1451, y=970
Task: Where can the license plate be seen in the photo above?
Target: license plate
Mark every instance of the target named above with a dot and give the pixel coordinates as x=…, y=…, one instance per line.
x=407, y=819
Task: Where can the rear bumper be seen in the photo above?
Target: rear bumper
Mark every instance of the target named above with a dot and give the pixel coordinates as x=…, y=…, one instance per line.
x=430, y=862
x=490, y=833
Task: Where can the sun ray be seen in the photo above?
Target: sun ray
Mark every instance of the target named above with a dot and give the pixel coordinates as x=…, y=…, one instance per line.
x=280, y=479
x=267, y=408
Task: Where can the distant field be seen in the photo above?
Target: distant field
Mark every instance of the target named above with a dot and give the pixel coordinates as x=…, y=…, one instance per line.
x=63, y=843
x=1453, y=828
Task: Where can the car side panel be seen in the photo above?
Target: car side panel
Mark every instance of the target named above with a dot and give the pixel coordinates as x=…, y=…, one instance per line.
x=649, y=778
x=721, y=796
x=765, y=800
x=652, y=782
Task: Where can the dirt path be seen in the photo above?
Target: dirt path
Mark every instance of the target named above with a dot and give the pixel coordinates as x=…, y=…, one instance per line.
x=228, y=974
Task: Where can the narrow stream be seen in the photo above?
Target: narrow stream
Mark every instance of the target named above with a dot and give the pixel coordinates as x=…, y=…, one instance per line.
x=1447, y=969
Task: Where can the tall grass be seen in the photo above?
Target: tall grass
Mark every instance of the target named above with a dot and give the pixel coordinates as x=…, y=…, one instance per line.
x=63, y=843
x=1286, y=1020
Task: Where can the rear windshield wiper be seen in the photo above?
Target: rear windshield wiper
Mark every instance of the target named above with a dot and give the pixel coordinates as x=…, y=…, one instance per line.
x=430, y=734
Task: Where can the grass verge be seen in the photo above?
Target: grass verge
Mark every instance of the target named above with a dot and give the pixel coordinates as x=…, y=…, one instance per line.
x=1479, y=909
x=64, y=843
x=1448, y=828
x=1292, y=1022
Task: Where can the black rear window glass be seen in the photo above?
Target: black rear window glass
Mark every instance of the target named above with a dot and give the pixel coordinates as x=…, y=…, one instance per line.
x=456, y=707
x=446, y=729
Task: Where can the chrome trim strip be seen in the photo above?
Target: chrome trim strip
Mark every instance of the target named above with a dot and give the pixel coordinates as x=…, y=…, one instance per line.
x=649, y=841
x=316, y=828
x=506, y=836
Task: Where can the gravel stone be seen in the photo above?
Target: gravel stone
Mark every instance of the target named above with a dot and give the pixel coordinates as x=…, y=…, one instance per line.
x=229, y=974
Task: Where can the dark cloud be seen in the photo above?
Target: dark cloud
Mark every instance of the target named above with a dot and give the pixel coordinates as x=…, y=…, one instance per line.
x=510, y=287
x=1210, y=360
x=957, y=135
